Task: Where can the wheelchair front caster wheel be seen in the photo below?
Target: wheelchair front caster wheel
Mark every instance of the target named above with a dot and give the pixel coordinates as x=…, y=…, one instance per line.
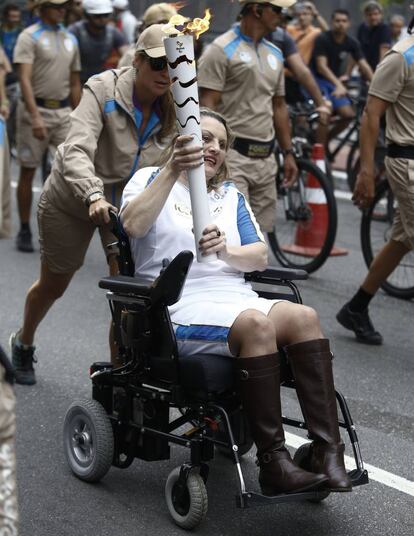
x=302, y=458
x=88, y=440
x=187, y=505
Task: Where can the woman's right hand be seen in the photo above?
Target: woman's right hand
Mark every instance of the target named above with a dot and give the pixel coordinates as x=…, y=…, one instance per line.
x=185, y=156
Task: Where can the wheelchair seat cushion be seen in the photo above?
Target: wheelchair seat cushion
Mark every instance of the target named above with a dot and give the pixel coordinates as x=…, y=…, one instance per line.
x=206, y=373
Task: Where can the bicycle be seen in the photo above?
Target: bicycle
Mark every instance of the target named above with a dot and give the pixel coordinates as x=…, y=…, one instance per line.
x=351, y=135
x=294, y=240
x=376, y=225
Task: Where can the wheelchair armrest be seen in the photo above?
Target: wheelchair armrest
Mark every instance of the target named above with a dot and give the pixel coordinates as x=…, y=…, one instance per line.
x=273, y=274
x=124, y=284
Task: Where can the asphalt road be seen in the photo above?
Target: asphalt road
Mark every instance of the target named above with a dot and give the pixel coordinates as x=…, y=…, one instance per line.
x=376, y=381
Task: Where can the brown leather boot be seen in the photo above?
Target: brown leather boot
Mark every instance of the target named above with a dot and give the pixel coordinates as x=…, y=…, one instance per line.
x=259, y=383
x=311, y=364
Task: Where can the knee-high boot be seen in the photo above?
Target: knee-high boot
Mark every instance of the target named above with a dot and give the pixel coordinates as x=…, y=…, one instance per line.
x=311, y=364
x=259, y=384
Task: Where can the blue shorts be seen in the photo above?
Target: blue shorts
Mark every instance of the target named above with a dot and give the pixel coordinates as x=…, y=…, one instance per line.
x=327, y=88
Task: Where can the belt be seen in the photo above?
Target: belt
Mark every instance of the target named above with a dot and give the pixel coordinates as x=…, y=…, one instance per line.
x=400, y=151
x=52, y=104
x=253, y=148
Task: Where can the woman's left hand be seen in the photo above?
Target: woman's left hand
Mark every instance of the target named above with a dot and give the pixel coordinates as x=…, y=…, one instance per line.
x=213, y=241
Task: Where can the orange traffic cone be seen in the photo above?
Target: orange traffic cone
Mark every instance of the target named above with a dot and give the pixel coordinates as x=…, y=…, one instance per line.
x=311, y=234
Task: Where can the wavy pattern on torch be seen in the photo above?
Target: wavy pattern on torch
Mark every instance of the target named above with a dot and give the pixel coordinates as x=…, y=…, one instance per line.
x=188, y=119
x=184, y=84
x=186, y=102
x=181, y=59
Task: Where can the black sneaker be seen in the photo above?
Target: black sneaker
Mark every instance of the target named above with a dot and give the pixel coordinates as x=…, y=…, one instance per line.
x=24, y=241
x=360, y=324
x=22, y=359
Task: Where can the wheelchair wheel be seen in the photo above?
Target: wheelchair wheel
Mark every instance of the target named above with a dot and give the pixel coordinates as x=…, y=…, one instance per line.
x=189, y=508
x=88, y=440
x=302, y=458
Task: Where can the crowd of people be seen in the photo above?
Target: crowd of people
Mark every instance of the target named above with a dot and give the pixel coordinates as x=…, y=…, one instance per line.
x=87, y=82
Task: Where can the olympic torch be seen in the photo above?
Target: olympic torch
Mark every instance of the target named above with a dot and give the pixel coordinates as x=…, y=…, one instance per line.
x=179, y=47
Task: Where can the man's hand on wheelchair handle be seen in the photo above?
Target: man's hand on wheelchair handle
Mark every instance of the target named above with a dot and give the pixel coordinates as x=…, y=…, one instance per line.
x=364, y=190
x=290, y=171
x=99, y=211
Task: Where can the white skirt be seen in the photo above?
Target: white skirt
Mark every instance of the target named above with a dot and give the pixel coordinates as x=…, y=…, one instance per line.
x=202, y=319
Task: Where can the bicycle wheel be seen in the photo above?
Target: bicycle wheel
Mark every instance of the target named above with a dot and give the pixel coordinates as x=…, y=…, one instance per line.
x=379, y=157
x=306, y=220
x=376, y=225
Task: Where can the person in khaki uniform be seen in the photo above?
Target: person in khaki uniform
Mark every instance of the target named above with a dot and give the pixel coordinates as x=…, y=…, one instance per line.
x=391, y=93
x=8, y=487
x=241, y=75
x=48, y=59
x=121, y=123
x=5, y=216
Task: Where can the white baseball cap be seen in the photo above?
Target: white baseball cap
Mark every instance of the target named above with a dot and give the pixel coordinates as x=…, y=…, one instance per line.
x=97, y=7
x=120, y=4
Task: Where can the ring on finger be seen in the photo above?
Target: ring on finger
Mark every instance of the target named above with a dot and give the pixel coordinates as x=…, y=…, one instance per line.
x=218, y=233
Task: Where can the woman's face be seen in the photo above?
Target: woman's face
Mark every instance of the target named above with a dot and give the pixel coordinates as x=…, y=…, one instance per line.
x=214, y=145
x=149, y=77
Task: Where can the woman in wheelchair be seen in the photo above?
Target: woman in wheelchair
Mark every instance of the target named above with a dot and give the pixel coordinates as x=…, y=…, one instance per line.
x=219, y=313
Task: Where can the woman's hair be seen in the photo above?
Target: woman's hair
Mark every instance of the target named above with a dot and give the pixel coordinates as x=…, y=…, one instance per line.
x=167, y=116
x=167, y=112
x=223, y=173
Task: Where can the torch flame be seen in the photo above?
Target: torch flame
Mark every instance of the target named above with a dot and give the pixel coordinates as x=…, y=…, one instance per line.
x=180, y=25
x=199, y=26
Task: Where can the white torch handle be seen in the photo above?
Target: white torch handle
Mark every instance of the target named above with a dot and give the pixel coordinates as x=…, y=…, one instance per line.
x=182, y=70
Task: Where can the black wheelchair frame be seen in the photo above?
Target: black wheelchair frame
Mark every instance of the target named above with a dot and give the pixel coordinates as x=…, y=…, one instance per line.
x=129, y=416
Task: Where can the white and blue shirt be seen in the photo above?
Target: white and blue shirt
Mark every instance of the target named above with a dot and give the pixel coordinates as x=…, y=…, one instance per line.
x=172, y=232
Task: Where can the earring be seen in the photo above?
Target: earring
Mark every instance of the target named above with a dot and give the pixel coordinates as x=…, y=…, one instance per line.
x=134, y=73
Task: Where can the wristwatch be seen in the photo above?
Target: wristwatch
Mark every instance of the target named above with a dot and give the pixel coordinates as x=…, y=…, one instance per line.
x=285, y=152
x=92, y=198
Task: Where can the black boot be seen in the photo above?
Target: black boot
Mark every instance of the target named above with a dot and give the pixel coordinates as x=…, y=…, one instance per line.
x=259, y=384
x=311, y=364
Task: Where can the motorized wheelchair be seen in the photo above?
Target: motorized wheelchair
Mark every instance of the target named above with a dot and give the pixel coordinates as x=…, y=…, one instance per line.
x=156, y=398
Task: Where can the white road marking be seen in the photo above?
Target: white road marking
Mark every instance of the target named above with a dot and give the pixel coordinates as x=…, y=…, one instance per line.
x=379, y=475
x=341, y=175
x=347, y=196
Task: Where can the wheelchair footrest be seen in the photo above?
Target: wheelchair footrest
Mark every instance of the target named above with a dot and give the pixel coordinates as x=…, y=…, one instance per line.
x=359, y=477
x=252, y=498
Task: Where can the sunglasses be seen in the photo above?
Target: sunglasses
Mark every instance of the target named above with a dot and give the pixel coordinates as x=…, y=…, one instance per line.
x=275, y=9
x=56, y=6
x=157, y=64
x=101, y=16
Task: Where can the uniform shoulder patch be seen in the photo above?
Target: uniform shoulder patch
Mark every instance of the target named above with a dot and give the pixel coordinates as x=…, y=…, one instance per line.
x=409, y=55
x=274, y=49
